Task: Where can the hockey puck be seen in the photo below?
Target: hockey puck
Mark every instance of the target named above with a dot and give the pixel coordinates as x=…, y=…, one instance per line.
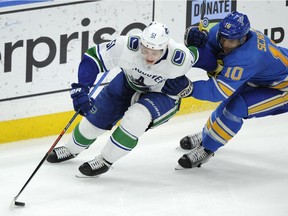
x=21, y=204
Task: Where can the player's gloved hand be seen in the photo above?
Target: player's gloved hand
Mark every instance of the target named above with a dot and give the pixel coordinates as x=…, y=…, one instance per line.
x=194, y=37
x=81, y=100
x=217, y=71
x=180, y=86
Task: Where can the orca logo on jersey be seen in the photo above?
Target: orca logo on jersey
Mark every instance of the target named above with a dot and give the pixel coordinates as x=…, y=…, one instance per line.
x=133, y=43
x=178, y=57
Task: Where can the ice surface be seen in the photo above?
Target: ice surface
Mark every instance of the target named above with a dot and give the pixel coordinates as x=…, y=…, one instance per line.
x=249, y=176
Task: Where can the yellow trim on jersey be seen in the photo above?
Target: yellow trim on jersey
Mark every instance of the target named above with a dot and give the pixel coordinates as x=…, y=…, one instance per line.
x=225, y=89
x=269, y=104
x=281, y=85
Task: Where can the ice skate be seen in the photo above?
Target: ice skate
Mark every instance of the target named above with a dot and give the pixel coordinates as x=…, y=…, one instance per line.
x=94, y=168
x=60, y=154
x=191, y=141
x=195, y=158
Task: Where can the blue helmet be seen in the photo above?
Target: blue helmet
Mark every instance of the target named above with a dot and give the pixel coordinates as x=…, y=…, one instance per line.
x=234, y=26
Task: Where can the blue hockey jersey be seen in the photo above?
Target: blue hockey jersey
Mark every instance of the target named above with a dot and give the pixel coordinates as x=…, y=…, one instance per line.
x=258, y=62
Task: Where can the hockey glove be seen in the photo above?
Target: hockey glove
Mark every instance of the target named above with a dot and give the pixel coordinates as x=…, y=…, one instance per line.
x=194, y=37
x=81, y=100
x=180, y=86
x=217, y=71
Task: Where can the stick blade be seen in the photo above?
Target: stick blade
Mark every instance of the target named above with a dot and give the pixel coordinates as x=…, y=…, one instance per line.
x=15, y=203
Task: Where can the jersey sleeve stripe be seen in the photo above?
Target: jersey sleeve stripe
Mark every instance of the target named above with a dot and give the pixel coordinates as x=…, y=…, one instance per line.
x=223, y=90
x=95, y=60
x=226, y=89
x=195, y=53
x=100, y=56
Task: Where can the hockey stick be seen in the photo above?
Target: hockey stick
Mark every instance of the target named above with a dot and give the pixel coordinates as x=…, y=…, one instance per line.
x=22, y=204
x=204, y=22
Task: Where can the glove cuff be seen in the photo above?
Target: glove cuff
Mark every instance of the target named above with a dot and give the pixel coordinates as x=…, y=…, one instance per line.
x=83, y=87
x=187, y=91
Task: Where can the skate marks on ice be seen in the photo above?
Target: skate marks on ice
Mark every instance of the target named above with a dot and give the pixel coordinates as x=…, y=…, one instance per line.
x=249, y=175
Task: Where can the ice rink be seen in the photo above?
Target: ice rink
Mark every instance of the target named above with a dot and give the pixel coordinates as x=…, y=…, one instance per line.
x=249, y=176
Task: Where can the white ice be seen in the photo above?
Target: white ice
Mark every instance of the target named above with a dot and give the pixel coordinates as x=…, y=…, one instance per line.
x=249, y=176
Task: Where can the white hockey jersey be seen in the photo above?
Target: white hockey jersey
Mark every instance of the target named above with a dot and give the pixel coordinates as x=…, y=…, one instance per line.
x=125, y=52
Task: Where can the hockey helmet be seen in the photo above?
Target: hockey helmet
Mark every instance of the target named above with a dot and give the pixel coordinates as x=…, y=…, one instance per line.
x=234, y=26
x=155, y=36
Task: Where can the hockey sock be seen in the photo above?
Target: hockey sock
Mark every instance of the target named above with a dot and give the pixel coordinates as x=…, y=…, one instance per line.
x=219, y=132
x=224, y=123
x=84, y=134
x=77, y=142
x=133, y=124
x=120, y=143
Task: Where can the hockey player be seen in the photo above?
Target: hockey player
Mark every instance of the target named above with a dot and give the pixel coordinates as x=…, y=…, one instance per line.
x=147, y=60
x=252, y=82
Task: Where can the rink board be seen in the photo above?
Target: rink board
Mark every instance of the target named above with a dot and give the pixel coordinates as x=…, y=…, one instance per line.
x=53, y=124
x=34, y=89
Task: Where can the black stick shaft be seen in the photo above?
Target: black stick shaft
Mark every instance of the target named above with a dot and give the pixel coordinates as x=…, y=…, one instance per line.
x=48, y=152
x=202, y=14
x=59, y=137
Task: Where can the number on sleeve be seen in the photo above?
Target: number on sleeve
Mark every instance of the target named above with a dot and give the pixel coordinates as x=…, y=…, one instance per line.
x=234, y=73
x=278, y=55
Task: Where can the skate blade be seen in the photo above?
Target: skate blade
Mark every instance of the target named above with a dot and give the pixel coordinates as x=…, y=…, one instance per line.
x=178, y=167
x=15, y=204
x=80, y=175
x=178, y=148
